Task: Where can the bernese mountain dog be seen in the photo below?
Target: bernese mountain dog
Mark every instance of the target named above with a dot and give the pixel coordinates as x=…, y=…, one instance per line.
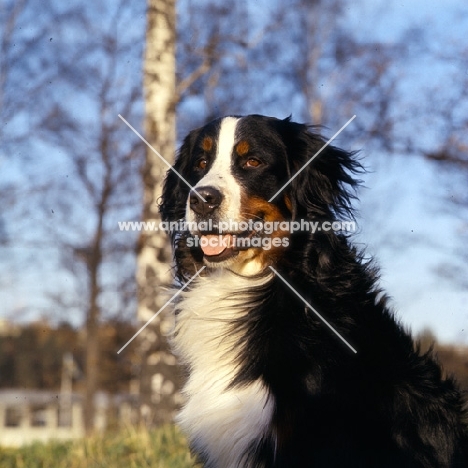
x=293, y=355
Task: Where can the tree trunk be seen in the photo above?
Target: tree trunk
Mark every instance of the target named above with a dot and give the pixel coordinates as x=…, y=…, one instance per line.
x=93, y=259
x=92, y=350
x=159, y=379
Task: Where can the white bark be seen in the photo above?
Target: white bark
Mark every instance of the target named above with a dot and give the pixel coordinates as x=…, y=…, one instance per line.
x=154, y=257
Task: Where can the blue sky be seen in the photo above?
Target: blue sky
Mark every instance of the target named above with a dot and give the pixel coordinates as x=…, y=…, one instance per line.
x=410, y=238
x=416, y=231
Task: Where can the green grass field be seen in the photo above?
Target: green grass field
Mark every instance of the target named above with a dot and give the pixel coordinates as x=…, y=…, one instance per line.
x=161, y=448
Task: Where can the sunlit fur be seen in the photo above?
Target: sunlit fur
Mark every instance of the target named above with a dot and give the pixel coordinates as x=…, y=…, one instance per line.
x=224, y=423
x=268, y=383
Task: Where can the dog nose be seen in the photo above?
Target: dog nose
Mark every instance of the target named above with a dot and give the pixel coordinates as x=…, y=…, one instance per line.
x=212, y=199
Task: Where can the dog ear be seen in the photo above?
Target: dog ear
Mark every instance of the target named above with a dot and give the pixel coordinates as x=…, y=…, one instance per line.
x=172, y=208
x=324, y=187
x=175, y=190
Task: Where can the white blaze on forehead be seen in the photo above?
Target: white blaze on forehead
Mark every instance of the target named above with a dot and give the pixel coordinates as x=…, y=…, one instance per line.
x=220, y=175
x=226, y=141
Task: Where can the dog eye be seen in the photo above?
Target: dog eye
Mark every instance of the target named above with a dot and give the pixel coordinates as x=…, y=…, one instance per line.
x=252, y=162
x=201, y=163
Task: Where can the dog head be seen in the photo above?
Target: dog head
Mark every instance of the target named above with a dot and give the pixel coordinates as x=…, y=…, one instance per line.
x=238, y=181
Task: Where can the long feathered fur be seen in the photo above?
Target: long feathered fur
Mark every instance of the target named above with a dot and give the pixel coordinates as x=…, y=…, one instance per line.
x=314, y=403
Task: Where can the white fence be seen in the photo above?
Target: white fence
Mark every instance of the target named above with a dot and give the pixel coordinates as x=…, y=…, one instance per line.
x=27, y=416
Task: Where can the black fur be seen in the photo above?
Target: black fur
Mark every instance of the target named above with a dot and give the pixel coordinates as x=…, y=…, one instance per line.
x=385, y=406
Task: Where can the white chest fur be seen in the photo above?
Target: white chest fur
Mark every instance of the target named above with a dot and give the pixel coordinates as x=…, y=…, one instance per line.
x=221, y=422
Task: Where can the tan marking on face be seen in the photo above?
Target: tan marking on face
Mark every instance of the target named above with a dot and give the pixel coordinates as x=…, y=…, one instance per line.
x=207, y=144
x=258, y=209
x=242, y=148
x=287, y=202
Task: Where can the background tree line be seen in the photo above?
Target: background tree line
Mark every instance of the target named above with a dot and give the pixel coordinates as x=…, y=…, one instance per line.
x=32, y=356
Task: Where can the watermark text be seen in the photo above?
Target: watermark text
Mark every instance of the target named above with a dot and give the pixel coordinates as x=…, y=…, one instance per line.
x=233, y=226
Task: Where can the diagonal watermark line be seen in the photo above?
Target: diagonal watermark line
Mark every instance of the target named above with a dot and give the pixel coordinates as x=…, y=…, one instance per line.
x=313, y=310
x=159, y=156
x=312, y=158
x=161, y=309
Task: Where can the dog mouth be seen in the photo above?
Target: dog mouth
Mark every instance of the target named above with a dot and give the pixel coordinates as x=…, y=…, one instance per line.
x=217, y=247
x=220, y=247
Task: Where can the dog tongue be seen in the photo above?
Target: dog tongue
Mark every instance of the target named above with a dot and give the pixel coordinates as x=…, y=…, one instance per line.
x=214, y=244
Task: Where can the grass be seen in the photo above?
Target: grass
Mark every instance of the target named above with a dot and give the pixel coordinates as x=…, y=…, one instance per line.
x=131, y=448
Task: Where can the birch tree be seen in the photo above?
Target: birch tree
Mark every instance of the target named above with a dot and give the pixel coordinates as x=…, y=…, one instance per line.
x=159, y=379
